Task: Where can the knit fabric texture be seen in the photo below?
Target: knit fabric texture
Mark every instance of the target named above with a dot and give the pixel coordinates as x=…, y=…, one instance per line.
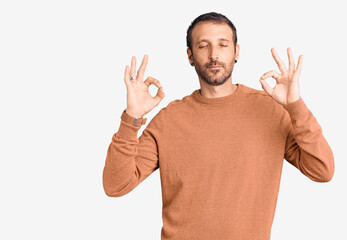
x=220, y=161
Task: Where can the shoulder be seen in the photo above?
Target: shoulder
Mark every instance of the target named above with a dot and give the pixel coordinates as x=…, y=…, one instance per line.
x=263, y=104
x=256, y=95
x=172, y=108
x=261, y=99
x=178, y=105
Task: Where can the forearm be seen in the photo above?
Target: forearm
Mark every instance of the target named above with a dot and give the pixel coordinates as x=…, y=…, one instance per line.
x=120, y=168
x=307, y=149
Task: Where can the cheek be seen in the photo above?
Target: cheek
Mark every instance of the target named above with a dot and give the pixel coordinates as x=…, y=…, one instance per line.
x=230, y=60
x=229, y=56
x=200, y=62
x=201, y=55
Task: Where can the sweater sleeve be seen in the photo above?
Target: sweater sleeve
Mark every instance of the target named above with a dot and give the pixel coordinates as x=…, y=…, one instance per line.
x=129, y=159
x=306, y=148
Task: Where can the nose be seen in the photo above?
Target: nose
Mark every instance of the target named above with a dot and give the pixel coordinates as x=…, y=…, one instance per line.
x=213, y=53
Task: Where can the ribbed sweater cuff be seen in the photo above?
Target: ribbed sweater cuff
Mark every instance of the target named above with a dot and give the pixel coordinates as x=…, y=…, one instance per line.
x=297, y=109
x=127, y=130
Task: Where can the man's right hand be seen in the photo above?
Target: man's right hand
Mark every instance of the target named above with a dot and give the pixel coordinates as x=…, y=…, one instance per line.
x=139, y=101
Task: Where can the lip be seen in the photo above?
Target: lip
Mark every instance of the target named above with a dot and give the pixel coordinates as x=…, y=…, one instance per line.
x=216, y=66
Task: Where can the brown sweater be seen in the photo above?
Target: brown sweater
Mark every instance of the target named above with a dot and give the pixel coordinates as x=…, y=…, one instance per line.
x=220, y=161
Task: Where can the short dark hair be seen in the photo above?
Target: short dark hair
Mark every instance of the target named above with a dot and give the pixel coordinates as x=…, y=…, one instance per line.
x=210, y=17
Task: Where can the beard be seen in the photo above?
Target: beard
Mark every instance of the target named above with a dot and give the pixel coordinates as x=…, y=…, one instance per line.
x=214, y=77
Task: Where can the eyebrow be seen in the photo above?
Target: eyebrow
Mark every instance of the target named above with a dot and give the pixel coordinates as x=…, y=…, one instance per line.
x=204, y=40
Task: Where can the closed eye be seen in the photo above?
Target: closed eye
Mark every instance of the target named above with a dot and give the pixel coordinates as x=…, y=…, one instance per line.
x=221, y=45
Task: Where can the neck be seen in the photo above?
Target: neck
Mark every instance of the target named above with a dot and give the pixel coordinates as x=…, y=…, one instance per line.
x=210, y=91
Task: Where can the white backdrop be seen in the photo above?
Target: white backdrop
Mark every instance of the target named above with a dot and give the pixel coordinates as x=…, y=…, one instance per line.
x=62, y=94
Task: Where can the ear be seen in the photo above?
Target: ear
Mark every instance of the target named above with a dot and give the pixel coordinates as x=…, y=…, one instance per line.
x=190, y=57
x=237, y=52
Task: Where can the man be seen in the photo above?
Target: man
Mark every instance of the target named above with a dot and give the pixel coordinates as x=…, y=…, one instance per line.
x=220, y=149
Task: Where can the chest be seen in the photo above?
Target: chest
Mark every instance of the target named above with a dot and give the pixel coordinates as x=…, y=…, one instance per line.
x=219, y=142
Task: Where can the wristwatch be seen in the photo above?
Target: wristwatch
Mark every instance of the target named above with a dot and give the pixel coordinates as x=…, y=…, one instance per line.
x=130, y=119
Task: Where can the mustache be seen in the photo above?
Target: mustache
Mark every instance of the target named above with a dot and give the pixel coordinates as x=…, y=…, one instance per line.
x=214, y=63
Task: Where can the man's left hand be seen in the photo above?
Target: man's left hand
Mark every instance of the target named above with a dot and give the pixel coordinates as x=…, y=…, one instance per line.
x=286, y=90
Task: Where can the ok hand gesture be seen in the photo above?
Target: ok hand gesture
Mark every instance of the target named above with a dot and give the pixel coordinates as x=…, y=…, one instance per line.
x=286, y=90
x=139, y=101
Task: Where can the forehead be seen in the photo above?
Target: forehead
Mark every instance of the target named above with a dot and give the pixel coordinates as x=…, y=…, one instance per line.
x=211, y=31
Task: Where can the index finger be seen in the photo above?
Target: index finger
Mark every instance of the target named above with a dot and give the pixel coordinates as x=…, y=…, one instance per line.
x=142, y=68
x=279, y=62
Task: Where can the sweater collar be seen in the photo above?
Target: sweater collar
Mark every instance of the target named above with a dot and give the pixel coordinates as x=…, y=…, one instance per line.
x=218, y=100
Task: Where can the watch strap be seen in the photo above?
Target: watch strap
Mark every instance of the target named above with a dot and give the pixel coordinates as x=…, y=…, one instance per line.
x=134, y=121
